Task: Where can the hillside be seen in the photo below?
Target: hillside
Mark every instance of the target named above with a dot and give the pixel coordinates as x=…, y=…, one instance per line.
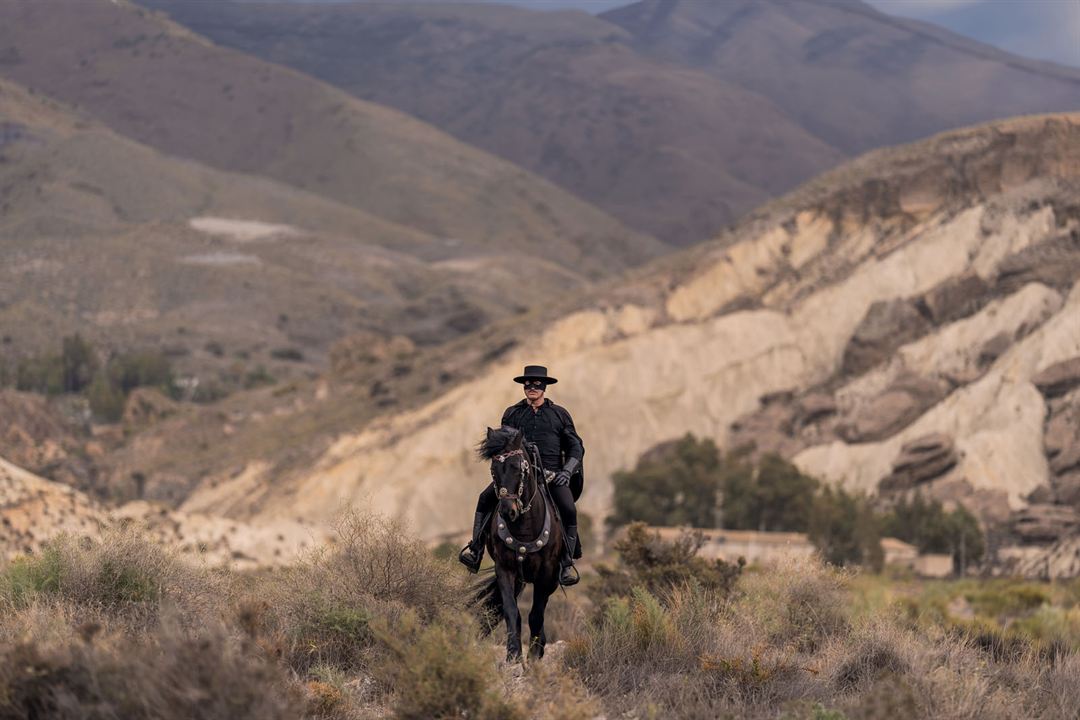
x=156, y=83
x=675, y=116
x=796, y=333
x=133, y=248
x=34, y=510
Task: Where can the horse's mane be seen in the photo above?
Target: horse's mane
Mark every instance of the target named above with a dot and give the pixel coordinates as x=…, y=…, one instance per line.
x=496, y=441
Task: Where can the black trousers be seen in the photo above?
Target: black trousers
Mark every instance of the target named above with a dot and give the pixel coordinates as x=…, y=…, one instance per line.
x=564, y=500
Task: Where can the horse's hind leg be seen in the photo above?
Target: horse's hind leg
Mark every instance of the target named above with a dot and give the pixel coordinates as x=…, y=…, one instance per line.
x=507, y=586
x=537, y=636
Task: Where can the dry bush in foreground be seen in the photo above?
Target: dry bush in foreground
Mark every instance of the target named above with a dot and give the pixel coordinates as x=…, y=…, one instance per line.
x=122, y=575
x=787, y=641
x=74, y=672
x=320, y=612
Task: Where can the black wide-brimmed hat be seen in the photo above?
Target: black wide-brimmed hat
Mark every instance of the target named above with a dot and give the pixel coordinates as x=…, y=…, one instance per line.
x=535, y=372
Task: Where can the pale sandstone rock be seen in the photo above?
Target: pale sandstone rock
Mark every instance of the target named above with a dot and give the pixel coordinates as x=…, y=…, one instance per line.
x=1060, y=560
x=997, y=421
x=956, y=350
x=697, y=376
x=920, y=461
x=1045, y=523
x=743, y=270
x=895, y=408
x=1059, y=378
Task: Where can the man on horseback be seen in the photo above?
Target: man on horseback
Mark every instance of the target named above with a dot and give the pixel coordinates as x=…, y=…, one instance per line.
x=551, y=429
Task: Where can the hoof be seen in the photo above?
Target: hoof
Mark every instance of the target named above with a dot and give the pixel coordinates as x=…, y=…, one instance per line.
x=536, y=649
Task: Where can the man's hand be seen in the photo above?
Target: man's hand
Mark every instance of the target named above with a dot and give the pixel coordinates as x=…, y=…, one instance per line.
x=561, y=479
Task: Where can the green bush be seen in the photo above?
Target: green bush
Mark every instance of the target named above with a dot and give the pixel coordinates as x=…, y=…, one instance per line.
x=122, y=574
x=105, y=398
x=674, y=484
x=845, y=529
x=927, y=526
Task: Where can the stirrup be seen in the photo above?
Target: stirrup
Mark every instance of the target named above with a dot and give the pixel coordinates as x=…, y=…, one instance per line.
x=565, y=579
x=470, y=558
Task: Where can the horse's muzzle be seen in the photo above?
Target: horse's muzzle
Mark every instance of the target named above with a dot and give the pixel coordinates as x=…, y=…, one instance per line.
x=510, y=509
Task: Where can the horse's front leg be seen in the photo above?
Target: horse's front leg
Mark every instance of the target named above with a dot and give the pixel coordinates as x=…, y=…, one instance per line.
x=537, y=636
x=507, y=579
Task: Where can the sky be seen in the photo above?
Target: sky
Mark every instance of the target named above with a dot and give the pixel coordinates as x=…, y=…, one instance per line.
x=1040, y=29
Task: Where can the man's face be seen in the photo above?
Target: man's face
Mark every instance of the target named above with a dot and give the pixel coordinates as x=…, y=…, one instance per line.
x=534, y=390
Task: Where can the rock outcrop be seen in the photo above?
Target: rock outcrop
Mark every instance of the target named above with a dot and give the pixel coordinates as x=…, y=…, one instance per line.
x=1039, y=523
x=768, y=312
x=920, y=461
x=34, y=510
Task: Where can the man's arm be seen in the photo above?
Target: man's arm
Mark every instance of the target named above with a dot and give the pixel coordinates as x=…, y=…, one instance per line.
x=508, y=414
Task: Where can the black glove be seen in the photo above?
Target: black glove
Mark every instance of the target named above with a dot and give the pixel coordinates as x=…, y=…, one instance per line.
x=562, y=478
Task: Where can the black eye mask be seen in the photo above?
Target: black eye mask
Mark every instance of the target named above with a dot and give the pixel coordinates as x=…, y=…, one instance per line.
x=540, y=387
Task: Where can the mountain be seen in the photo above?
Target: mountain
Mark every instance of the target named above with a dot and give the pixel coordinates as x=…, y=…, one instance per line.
x=675, y=116
x=158, y=84
x=853, y=76
x=905, y=321
x=224, y=272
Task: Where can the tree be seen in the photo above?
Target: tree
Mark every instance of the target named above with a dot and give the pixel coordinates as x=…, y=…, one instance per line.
x=845, y=529
x=79, y=363
x=673, y=484
x=772, y=495
x=105, y=398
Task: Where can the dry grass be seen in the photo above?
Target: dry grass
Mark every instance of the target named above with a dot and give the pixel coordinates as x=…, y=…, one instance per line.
x=375, y=626
x=120, y=576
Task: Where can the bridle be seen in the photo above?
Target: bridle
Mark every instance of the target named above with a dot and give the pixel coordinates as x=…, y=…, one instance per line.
x=525, y=468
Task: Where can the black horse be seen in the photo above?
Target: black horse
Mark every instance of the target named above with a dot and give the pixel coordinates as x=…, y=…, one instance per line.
x=523, y=538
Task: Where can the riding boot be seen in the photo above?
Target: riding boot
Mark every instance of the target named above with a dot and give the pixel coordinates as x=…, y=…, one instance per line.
x=473, y=553
x=569, y=574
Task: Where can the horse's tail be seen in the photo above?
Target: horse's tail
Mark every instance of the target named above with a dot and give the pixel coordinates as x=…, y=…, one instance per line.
x=486, y=599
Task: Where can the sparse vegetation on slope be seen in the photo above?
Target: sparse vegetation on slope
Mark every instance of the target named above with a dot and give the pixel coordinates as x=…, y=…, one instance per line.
x=375, y=626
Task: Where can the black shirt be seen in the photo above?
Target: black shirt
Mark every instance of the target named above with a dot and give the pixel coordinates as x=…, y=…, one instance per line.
x=551, y=428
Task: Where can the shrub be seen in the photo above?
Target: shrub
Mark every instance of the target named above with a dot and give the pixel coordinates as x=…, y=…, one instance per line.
x=123, y=574
x=440, y=670
x=167, y=674
x=105, y=398
x=648, y=562
x=141, y=368
x=290, y=354
x=258, y=377
x=320, y=612
x=799, y=604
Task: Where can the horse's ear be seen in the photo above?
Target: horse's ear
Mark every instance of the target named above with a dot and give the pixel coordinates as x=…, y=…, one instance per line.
x=490, y=432
x=519, y=437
